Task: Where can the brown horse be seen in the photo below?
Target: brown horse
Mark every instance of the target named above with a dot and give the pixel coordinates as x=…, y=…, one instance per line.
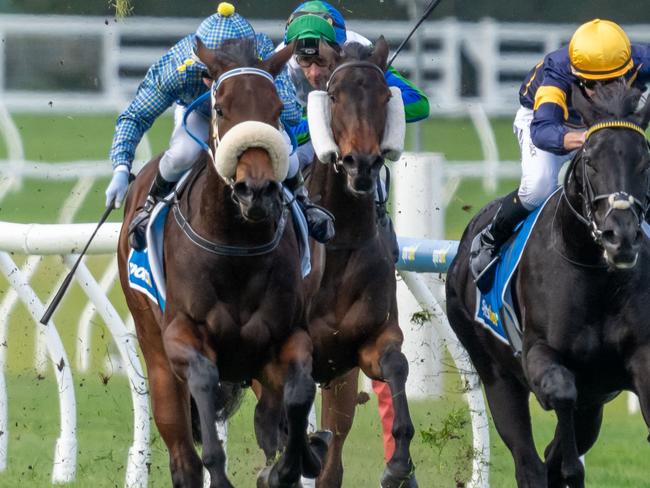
x=234, y=306
x=352, y=311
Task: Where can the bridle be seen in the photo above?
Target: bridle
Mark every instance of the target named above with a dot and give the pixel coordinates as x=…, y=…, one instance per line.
x=618, y=200
x=338, y=163
x=212, y=247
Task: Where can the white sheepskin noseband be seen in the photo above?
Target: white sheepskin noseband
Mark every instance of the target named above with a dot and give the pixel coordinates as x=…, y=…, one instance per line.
x=319, y=118
x=246, y=135
x=392, y=144
x=320, y=127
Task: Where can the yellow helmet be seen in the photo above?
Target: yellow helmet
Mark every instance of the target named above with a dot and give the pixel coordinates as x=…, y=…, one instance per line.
x=600, y=50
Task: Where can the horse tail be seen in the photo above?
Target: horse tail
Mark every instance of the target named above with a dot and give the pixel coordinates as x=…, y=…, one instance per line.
x=229, y=397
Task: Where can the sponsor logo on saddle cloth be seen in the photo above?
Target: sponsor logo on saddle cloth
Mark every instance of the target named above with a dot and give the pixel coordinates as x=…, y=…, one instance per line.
x=145, y=267
x=495, y=309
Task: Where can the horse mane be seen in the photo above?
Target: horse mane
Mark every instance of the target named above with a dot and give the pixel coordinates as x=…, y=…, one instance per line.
x=357, y=52
x=240, y=52
x=614, y=100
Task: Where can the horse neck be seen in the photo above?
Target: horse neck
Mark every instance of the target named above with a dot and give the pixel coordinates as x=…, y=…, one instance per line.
x=578, y=243
x=215, y=216
x=355, y=216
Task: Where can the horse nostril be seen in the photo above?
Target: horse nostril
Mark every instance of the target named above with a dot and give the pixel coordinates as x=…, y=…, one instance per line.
x=378, y=162
x=241, y=189
x=610, y=237
x=271, y=188
x=348, y=160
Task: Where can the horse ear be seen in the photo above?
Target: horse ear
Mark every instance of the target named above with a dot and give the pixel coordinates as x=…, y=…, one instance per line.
x=380, y=53
x=210, y=58
x=328, y=53
x=275, y=64
x=644, y=114
x=582, y=104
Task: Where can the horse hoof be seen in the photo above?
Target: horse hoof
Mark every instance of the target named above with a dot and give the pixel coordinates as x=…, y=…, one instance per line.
x=318, y=444
x=263, y=477
x=267, y=478
x=390, y=479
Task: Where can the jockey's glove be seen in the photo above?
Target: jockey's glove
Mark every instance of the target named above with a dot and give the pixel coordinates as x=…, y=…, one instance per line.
x=118, y=186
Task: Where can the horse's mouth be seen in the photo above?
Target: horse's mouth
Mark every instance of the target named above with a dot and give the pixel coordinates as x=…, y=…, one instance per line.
x=626, y=260
x=361, y=185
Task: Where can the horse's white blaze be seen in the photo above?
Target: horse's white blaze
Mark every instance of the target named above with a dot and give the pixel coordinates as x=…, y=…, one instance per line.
x=246, y=135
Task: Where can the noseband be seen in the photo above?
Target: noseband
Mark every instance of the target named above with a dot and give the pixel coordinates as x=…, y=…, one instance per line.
x=619, y=200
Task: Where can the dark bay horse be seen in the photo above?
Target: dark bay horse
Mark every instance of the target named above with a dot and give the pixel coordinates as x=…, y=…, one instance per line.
x=582, y=295
x=235, y=306
x=352, y=311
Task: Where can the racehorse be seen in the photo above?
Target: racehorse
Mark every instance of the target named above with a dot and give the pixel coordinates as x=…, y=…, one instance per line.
x=581, y=294
x=234, y=308
x=352, y=311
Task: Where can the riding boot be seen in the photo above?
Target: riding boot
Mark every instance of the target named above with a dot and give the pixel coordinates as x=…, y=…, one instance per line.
x=320, y=222
x=387, y=229
x=160, y=188
x=486, y=244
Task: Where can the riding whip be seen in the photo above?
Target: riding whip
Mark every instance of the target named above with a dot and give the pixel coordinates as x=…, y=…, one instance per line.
x=427, y=11
x=64, y=286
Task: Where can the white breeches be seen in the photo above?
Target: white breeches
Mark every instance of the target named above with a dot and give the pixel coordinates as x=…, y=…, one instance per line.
x=539, y=169
x=184, y=151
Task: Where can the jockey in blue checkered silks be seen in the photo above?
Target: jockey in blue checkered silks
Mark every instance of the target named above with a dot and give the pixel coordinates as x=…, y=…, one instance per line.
x=177, y=79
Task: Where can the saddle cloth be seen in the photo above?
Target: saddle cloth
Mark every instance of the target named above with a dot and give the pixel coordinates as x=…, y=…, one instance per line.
x=146, y=269
x=495, y=309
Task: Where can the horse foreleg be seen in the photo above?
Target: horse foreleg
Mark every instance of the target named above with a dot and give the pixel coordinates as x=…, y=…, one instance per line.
x=554, y=385
x=188, y=355
x=291, y=372
x=383, y=360
x=587, y=428
x=339, y=402
x=268, y=419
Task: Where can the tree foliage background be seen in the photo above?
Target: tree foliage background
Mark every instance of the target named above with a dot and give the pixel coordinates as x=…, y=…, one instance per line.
x=575, y=11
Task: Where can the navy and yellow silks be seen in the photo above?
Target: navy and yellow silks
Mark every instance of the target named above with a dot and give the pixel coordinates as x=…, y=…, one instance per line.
x=547, y=90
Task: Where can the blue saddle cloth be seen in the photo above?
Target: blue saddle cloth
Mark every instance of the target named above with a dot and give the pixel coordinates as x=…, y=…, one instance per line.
x=496, y=307
x=146, y=271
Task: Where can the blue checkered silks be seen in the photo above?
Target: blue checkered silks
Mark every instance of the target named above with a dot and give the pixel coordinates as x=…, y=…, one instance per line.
x=177, y=78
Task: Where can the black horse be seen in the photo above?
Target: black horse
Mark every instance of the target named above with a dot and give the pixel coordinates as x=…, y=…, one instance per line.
x=582, y=296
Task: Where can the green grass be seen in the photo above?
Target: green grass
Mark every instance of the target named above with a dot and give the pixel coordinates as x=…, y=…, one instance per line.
x=441, y=447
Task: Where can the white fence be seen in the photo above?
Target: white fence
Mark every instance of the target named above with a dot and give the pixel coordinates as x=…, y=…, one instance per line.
x=497, y=54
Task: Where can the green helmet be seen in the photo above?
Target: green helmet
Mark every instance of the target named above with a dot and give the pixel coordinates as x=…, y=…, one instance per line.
x=307, y=31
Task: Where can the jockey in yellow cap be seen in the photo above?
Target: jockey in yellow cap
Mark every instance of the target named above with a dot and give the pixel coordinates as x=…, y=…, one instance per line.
x=548, y=129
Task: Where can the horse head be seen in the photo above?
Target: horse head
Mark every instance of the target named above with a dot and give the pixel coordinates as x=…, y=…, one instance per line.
x=249, y=151
x=612, y=170
x=358, y=121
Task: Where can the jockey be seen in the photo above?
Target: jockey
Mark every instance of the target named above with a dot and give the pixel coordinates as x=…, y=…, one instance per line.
x=179, y=78
x=309, y=23
x=548, y=128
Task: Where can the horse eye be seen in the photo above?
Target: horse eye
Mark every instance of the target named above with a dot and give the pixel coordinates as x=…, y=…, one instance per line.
x=332, y=99
x=219, y=111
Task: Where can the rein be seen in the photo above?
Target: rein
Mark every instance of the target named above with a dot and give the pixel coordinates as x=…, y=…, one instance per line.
x=619, y=200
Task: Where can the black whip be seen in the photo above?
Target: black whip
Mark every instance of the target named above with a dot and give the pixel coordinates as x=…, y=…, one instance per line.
x=427, y=11
x=64, y=286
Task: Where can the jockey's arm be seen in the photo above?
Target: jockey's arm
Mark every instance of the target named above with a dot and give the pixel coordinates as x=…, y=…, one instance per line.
x=154, y=96
x=292, y=112
x=416, y=103
x=548, y=129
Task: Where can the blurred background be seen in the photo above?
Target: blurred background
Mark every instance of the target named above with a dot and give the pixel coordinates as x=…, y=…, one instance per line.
x=68, y=67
